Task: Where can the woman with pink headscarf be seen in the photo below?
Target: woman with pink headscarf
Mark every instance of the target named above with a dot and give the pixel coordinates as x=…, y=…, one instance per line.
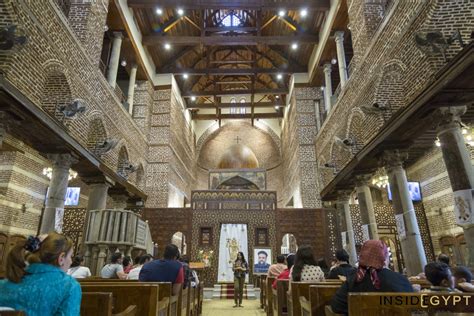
x=372, y=275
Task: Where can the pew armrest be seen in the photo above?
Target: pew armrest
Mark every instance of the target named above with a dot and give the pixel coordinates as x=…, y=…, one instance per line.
x=129, y=311
x=328, y=311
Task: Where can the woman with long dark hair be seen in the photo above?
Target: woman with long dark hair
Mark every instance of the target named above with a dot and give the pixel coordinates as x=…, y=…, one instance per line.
x=305, y=268
x=240, y=269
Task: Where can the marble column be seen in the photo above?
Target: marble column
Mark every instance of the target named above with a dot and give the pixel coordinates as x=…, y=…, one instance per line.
x=343, y=204
x=407, y=225
x=366, y=205
x=458, y=165
x=131, y=87
x=341, y=57
x=54, y=204
x=328, y=87
x=101, y=259
x=317, y=114
x=114, y=59
x=97, y=201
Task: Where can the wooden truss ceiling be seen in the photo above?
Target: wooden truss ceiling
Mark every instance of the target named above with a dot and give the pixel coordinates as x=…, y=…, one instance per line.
x=230, y=47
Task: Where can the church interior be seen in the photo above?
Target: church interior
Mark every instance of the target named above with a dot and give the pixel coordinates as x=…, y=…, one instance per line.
x=238, y=126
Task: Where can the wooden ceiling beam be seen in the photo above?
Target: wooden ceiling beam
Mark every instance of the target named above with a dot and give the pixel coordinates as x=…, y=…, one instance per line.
x=201, y=117
x=231, y=29
x=186, y=94
x=236, y=71
x=283, y=40
x=317, y=5
x=232, y=105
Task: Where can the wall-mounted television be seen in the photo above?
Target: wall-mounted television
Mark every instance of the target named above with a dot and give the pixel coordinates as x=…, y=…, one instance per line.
x=72, y=196
x=413, y=189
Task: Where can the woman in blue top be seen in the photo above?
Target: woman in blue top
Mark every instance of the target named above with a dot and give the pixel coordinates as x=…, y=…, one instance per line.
x=37, y=282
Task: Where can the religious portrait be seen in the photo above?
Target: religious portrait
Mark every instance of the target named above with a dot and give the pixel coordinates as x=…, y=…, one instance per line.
x=206, y=236
x=262, y=260
x=261, y=237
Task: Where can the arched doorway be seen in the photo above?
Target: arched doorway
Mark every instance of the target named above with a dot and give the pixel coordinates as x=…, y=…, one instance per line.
x=179, y=239
x=288, y=244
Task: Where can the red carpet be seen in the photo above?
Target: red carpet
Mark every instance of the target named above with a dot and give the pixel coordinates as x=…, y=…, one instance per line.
x=227, y=290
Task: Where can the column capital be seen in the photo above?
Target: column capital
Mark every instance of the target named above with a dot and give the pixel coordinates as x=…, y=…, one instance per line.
x=339, y=36
x=362, y=179
x=134, y=66
x=327, y=68
x=449, y=117
x=343, y=196
x=117, y=35
x=62, y=160
x=392, y=159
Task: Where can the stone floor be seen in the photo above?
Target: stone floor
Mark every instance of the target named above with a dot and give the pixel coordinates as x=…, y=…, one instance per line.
x=224, y=307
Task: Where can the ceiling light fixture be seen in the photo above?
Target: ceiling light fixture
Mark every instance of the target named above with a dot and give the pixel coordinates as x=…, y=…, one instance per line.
x=123, y=63
x=281, y=13
x=294, y=46
x=303, y=13
x=185, y=76
x=180, y=11
x=167, y=46
x=159, y=11
x=334, y=61
x=437, y=142
x=193, y=98
x=276, y=107
x=277, y=97
x=279, y=76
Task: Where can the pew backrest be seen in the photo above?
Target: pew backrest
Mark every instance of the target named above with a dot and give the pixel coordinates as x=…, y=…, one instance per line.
x=403, y=304
x=96, y=303
x=269, y=295
x=279, y=298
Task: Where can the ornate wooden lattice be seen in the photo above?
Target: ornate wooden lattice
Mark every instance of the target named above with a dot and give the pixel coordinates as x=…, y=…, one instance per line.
x=73, y=226
x=233, y=200
x=385, y=217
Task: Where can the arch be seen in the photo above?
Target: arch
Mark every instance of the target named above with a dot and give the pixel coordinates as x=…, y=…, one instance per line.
x=390, y=87
x=122, y=161
x=288, y=244
x=356, y=127
x=179, y=240
x=56, y=90
x=140, y=177
x=96, y=133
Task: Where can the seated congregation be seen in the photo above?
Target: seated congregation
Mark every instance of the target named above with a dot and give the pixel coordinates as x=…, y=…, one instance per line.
x=368, y=288
x=43, y=278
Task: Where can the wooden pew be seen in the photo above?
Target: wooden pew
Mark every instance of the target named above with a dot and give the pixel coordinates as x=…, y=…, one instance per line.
x=261, y=285
x=318, y=297
x=269, y=295
x=298, y=289
x=96, y=303
x=183, y=302
x=12, y=313
x=376, y=304
x=201, y=298
x=149, y=297
x=279, y=298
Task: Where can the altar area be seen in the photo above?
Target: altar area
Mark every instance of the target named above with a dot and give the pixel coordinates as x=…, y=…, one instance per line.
x=238, y=213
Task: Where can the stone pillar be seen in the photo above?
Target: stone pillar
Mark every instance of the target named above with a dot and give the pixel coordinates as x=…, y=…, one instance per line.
x=317, y=114
x=458, y=165
x=328, y=87
x=407, y=225
x=114, y=59
x=341, y=57
x=366, y=205
x=101, y=259
x=343, y=203
x=57, y=192
x=131, y=87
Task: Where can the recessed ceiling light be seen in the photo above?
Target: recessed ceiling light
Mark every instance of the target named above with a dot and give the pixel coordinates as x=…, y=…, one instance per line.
x=294, y=46
x=180, y=11
x=281, y=13
x=303, y=12
x=185, y=76
x=159, y=11
x=193, y=98
x=167, y=46
x=279, y=76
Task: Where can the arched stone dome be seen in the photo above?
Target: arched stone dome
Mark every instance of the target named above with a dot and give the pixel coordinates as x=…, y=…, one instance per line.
x=238, y=156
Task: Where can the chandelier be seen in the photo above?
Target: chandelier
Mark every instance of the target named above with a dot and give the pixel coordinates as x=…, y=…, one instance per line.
x=467, y=133
x=48, y=172
x=380, y=179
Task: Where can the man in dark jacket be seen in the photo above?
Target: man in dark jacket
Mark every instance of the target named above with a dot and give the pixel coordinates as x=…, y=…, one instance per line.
x=343, y=267
x=371, y=276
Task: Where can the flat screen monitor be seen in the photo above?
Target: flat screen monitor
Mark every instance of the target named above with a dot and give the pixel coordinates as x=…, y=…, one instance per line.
x=72, y=196
x=413, y=189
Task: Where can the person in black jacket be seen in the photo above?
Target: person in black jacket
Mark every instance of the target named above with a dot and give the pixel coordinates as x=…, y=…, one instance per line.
x=371, y=276
x=343, y=267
